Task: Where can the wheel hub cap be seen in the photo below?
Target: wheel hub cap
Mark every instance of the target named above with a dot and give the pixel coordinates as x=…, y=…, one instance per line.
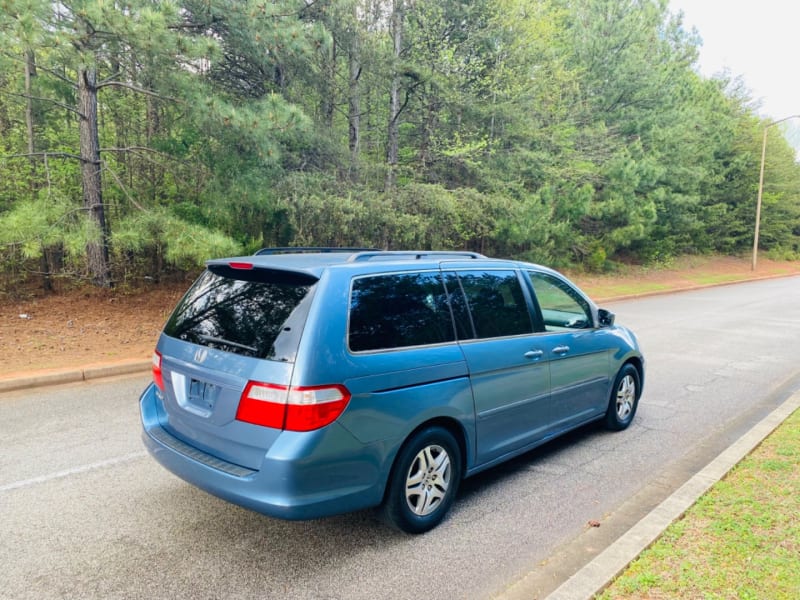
x=428, y=480
x=626, y=396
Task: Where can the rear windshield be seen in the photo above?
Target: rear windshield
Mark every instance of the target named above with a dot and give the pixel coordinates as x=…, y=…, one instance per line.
x=258, y=313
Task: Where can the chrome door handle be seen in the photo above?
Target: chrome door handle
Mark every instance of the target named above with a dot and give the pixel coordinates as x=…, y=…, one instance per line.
x=561, y=350
x=534, y=354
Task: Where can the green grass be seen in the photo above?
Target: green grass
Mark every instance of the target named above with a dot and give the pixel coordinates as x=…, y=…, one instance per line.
x=682, y=273
x=740, y=540
x=621, y=289
x=710, y=278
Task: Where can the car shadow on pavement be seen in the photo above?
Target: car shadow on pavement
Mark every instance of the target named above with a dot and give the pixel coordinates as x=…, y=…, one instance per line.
x=537, y=458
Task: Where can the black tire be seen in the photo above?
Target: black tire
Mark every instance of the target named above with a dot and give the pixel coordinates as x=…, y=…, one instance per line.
x=424, y=481
x=624, y=398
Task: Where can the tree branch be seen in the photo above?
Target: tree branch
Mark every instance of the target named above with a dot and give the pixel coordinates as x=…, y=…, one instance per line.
x=141, y=149
x=409, y=91
x=109, y=78
x=157, y=152
x=47, y=155
x=50, y=100
x=122, y=186
x=40, y=68
x=57, y=75
x=135, y=88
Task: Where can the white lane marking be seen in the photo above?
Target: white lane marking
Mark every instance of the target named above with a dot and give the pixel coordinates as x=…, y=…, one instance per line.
x=73, y=471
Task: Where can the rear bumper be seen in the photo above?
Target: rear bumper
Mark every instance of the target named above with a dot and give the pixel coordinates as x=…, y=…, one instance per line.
x=303, y=476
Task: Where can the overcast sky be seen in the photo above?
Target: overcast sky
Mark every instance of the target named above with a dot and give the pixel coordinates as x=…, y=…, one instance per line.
x=757, y=39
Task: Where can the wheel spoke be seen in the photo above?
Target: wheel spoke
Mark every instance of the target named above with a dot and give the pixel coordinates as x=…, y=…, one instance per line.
x=622, y=410
x=433, y=495
x=427, y=458
x=415, y=479
x=626, y=395
x=442, y=464
x=418, y=469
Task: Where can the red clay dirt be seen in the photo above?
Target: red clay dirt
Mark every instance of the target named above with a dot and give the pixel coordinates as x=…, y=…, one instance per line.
x=88, y=326
x=82, y=327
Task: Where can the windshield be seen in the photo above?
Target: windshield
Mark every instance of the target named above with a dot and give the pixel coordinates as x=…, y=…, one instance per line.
x=258, y=313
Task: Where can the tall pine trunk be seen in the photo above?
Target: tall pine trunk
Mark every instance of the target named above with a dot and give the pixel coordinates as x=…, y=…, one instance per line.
x=96, y=250
x=425, y=155
x=30, y=73
x=328, y=87
x=393, y=135
x=354, y=106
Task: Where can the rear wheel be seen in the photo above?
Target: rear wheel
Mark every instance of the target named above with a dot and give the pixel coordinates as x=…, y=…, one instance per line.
x=624, y=398
x=424, y=481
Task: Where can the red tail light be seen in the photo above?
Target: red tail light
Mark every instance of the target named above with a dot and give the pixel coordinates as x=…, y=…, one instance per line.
x=292, y=408
x=263, y=404
x=158, y=375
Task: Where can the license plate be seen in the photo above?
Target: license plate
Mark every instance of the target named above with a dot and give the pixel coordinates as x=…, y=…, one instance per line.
x=202, y=394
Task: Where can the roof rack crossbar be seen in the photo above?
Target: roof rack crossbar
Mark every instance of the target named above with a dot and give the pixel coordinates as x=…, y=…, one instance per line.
x=310, y=249
x=413, y=255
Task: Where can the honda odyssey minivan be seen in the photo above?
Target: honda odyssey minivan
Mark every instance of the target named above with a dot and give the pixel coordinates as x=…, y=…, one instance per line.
x=302, y=383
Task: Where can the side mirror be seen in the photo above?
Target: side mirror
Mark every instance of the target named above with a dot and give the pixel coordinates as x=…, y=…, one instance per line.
x=605, y=318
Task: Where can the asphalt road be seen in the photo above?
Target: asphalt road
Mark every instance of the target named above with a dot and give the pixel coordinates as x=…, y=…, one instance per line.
x=85, y=513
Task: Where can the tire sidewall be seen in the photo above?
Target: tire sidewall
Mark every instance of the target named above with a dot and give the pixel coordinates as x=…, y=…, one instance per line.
x=395, y=507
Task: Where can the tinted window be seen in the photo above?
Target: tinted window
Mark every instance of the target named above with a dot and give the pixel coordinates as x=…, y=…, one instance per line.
x=458, y=306
x=260, y=314
x=562, y=307
x=396, y=311
x=496, y=303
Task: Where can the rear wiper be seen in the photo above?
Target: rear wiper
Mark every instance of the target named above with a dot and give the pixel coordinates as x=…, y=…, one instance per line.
x=216, y=340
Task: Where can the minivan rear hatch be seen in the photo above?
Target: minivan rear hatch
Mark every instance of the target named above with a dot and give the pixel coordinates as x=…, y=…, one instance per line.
x=237, y=323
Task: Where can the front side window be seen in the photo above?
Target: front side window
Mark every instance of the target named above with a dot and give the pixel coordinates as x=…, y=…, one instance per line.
x=398, y=311
x=257, y=313
x=562, y=307
x=496, y=303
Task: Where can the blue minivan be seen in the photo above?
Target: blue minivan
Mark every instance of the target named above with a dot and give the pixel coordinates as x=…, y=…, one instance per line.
x=305, y=383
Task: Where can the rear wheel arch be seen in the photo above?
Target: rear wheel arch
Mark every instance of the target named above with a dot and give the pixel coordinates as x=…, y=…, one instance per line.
x=451, y=425
x=456, y=430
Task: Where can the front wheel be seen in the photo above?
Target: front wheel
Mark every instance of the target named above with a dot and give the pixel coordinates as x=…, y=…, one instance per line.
x=624, y=398
x=424, y=481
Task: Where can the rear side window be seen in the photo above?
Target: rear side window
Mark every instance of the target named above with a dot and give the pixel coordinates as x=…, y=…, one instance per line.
x=256, y=312
x=497, y=305
x=397, y=311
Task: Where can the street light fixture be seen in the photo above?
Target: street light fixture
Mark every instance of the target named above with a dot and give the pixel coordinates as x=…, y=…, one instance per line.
x=761, y=185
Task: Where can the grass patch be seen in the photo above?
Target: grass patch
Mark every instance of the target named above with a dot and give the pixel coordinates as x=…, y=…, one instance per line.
x=680, y=274
x=713, y=278
x=740, y=540
x=629, y=288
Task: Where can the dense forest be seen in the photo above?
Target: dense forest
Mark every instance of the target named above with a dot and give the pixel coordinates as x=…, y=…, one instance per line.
x=139, y=137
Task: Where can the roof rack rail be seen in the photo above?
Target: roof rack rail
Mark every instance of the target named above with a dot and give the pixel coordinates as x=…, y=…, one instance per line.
x=413, y=254
x=310, y=249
